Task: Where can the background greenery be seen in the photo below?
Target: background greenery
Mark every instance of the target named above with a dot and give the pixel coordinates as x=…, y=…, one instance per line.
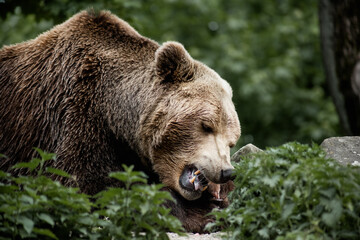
x=269, y=51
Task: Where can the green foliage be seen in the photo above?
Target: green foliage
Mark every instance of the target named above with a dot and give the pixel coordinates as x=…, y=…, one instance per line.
x=269, y=51
x=40, y=208
x=135, y=210
x=293, y=192
x=17, y=27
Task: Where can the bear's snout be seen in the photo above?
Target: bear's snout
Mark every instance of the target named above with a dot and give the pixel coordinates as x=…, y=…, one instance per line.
x=227, y=175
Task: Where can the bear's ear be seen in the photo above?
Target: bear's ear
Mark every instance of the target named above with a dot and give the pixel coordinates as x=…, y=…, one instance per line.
x=173, y=63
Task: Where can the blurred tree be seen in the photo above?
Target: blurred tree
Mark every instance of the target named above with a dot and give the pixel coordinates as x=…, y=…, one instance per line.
x=269, y=51
x=340, y=35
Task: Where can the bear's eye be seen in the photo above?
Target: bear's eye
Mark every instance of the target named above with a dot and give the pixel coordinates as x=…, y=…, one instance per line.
x=207, y=128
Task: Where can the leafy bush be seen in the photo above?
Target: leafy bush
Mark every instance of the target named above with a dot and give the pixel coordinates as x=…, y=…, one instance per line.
x=39, y=208
x=135, y=210
x=293, y=192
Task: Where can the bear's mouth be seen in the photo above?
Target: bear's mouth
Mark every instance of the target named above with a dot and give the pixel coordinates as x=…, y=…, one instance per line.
x=192, y=179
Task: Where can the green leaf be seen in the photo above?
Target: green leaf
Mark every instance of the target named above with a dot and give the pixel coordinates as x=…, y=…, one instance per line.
x=58, y=172
x=287, y=210
x=27, y=199
x=34, y=163
x=4, y=174
x=45, y=232
x=121, y=176
x=7, y=189
x=331, y=218
x=27, y=223
x=45, y=155
x=85, y=220
x=271, y=181
x=46, y=218
x=329, y=193
x=264, y=232
x=144, y=208
x=129, y=176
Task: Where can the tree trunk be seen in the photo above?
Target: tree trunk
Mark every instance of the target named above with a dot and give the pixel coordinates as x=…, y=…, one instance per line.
x=340, y=39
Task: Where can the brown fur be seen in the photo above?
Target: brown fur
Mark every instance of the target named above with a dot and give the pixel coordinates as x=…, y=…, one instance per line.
x=99, y=95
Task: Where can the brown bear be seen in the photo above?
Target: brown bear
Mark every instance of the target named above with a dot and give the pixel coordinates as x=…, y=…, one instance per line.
x=99, y=95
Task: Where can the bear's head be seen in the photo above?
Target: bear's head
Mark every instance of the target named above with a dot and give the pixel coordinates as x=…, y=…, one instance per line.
x=194, y=123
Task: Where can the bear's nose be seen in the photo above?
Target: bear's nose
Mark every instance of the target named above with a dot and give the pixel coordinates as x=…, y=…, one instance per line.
x=227, y=175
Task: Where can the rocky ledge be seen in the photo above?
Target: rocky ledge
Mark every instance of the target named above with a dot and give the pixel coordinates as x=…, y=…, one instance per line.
x=345, y=150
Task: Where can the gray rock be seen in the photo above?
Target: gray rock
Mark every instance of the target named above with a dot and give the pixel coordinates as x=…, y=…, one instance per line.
x=345, y=150
x=196, y=236
x=245, y=150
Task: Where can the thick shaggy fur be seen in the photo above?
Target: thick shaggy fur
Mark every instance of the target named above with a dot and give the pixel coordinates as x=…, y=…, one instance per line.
x=99, y=95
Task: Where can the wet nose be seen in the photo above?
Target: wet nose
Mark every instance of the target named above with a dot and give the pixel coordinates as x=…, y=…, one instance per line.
x=227, y=175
